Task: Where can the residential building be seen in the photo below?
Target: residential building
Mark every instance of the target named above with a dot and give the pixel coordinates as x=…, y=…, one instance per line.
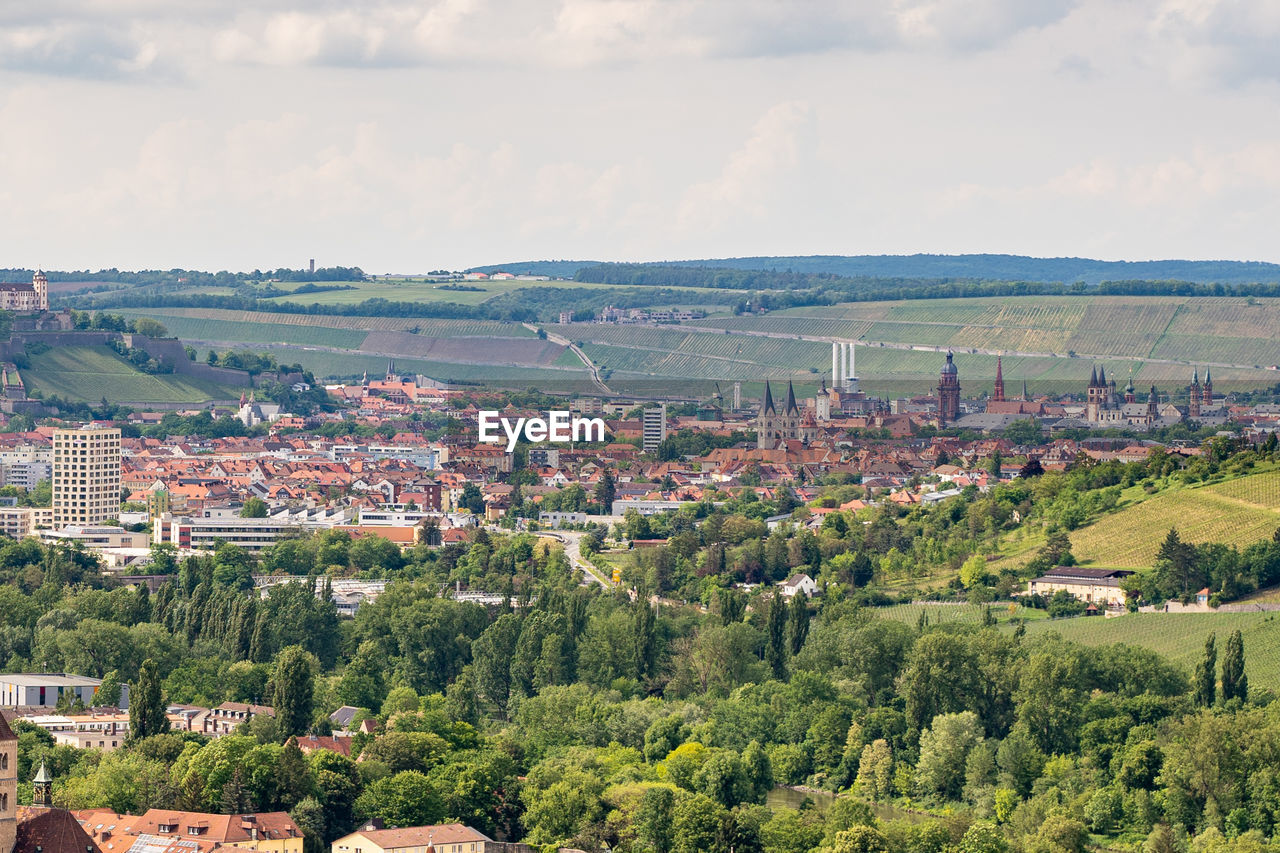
x=655, y=427
x=442, y=838
x=799, y=583
x=106, y=731
x=170, y=831
x=86, y=475
x=227, y=717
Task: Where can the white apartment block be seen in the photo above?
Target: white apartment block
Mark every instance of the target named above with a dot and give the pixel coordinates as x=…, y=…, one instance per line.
x=86, y=475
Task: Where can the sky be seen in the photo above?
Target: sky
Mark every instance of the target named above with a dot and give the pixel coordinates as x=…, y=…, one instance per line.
x=410, y=135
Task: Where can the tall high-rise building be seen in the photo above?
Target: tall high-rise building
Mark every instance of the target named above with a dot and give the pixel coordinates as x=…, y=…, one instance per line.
x=86, y=475
x=655, y=427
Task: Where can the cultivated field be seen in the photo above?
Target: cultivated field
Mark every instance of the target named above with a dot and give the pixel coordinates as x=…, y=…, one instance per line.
x=1237, y=512
x=332, y=364
x=1154, y=340
x=1180, y=637
x=416, y=290
x=88, y=374
x=420, y=325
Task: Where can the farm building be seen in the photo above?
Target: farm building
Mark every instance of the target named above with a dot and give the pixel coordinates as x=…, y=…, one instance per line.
x=1095, y=586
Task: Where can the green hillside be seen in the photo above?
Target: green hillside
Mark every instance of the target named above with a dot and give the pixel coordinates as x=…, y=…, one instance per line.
x=90, y=373
x=1236, y=512
x=1050, y=342
x=1180, y=637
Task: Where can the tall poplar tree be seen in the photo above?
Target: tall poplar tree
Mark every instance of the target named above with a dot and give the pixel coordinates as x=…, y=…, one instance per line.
x=798, y=621
x=1206, y=674
x=146, y=704
x=776, y=651
x=1235, y=684
x=293, y=693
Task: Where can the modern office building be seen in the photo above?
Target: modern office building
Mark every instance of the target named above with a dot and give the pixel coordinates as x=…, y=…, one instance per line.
x=86, y=475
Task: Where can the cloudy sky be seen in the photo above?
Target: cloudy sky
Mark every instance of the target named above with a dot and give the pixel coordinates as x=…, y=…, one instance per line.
x=407, y=135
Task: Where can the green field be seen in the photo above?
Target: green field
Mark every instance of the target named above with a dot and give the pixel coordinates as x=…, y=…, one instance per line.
x=353, y=364
x=972, y=614
x=89, y=374
x=172, y=317
x=1154, y=340
x=417, y=290
x=1180, y=637
x=1237, y=512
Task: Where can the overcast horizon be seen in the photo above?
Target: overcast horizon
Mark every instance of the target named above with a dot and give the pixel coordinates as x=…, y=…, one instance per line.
x=403, y=136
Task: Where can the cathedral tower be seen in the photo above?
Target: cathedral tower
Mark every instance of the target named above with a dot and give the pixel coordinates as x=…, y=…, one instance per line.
x=948, y=392
x=997, y=394
x=1208, y=388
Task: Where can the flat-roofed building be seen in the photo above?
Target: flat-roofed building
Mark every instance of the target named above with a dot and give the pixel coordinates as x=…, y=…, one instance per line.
x=42, y=689
x=86, y=475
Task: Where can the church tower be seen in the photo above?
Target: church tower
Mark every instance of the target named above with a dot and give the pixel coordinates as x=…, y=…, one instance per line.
x=997, y=394
x=948, y=392
x=1193, y=398
x=1208, y=388
x=8, y=787
x=41, y=286
x=1153, y=406
x=42, y=788
x=1094, y=404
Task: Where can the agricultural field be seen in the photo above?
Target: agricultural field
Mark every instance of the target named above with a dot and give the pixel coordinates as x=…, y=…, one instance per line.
x=232, y=331
x=1180, y=637
x=88, y=374
x=334, y=364
x=1153, y=340
x=436, y=328
x=970, y=614
x=509, y=351
x=1237, y=512
x=1142, y=331
x=474, y=292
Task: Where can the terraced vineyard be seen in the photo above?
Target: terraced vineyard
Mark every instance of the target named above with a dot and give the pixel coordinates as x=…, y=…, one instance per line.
x=1238, y=512
x=1156, y=340
x=353, y=364
x=420, y=325
x=512, y=351
x=89, y=373
x=1180, y=637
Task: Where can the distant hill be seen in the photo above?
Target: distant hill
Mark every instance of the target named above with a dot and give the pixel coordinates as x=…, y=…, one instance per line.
x=981, y=267
x=555, y=269
x=1005, y=268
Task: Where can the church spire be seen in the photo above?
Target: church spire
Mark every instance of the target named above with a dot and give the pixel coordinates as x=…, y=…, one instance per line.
x=998, y=392
x=766, y=408
x=791, y=409
x=42, y=788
